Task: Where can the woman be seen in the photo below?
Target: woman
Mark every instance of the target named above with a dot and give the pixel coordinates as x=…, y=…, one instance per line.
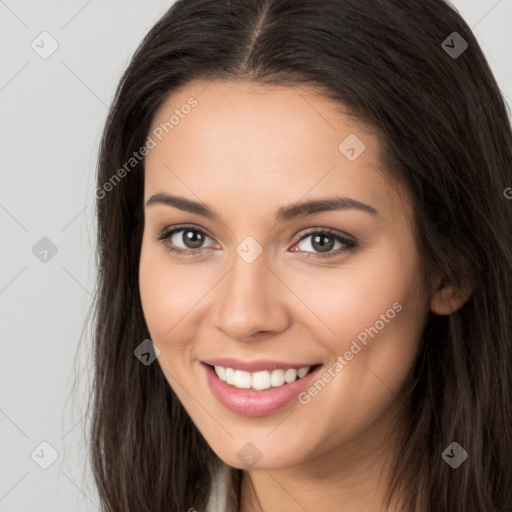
x=305, y=264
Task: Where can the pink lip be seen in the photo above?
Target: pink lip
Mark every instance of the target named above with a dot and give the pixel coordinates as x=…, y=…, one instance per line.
x=248, y=402
x=255, y=366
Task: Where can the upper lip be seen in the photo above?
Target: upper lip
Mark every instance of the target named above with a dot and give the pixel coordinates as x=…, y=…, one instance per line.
x=255, y=366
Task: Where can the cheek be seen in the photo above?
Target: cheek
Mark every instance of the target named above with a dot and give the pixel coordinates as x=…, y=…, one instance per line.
x=381, y=295
x=171, y=297
x=377, y=309
x=163, y=293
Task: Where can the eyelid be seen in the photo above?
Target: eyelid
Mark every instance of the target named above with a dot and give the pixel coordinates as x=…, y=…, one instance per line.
x=297, y=238
x=330, y=231
x=166, y=232
x=347, y=240
x=348, y=243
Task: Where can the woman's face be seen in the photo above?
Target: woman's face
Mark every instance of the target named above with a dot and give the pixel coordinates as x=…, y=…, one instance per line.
x=271, y=295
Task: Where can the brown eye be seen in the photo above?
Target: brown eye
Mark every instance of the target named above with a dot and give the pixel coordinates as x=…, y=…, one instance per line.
x=323, y=242
x=191, y=238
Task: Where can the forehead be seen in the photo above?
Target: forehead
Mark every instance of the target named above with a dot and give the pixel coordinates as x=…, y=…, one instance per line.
x=245, y=141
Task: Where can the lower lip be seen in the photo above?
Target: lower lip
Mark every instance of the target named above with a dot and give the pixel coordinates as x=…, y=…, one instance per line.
x=248, y=402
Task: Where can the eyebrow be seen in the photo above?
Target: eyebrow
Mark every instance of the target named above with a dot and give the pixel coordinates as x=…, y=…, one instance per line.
x=283, y=214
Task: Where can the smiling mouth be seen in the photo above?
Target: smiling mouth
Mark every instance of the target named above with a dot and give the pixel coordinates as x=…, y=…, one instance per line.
x=263, y=379
x=257, y=395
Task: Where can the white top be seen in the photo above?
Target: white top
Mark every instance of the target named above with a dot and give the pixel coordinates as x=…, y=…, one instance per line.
x=218, y=496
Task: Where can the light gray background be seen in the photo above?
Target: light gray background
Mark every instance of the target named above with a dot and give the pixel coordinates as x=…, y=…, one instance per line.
x=51, y=116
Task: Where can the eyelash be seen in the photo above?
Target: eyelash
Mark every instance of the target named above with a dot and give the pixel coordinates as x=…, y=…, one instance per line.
x=190, y=253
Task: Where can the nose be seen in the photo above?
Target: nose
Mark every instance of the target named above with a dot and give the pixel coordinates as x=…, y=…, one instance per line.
x=251, y=301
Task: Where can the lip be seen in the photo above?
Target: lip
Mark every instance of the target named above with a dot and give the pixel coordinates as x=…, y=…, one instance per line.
x=255, y=366
x=252, y=403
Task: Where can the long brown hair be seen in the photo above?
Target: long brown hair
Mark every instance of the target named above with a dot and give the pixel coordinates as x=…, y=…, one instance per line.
x=444, y=130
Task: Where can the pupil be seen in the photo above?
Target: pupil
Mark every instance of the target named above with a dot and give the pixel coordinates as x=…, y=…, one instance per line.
x=194, y=238
x=325, y=243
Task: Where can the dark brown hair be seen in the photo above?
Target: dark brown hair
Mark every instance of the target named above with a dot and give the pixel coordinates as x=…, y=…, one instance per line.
x=444, y=131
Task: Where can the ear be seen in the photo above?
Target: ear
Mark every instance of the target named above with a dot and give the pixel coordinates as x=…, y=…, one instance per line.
x=448, y=298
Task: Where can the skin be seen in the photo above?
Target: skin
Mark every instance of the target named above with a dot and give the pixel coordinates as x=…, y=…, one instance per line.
x=247, y=150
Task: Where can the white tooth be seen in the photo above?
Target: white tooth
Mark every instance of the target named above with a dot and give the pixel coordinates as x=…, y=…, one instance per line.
x=290, y=375
x=261, y=380
x=243, y=379
x=303, y=371
x=277, y=378
x=221, y=372
x=230, y=376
